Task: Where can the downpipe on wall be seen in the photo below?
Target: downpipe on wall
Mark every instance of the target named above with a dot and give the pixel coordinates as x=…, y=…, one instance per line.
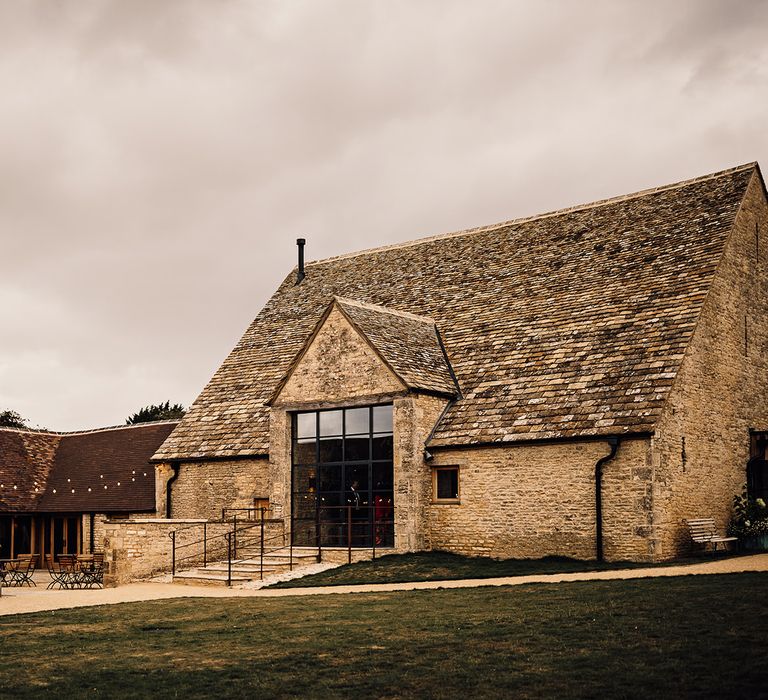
x=175, y=466
x=613, y=442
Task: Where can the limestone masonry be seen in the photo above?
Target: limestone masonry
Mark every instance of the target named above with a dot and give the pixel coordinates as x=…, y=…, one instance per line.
x=626, y=337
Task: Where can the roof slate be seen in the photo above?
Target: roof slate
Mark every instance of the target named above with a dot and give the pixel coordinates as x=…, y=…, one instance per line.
x=568, y=324
x=53, y=472
x=409, y=344
x=26, y=459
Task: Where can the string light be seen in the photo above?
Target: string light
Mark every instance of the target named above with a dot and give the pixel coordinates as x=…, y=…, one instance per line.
x=38, y=486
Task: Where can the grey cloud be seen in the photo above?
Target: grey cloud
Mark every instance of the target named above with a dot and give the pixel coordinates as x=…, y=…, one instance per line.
x=159, y=159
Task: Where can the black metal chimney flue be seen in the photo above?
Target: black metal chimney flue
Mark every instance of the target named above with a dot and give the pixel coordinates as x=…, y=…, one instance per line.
x=300, y=273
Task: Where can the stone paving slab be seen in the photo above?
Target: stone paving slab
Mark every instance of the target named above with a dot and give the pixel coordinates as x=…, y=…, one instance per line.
x=24, y=600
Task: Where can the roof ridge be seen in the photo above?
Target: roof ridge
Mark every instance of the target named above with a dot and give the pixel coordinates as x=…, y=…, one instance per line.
x=385, y=309
x=525, y=219
x=87, y=430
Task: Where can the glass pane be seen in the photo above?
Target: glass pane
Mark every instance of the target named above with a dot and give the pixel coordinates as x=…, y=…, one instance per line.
x=448, y=483
x=305, y=451
x=306, y=425
x=330, y=479
x=357, y=474
x=382, y=419
x=382, y=447
x=357, y=421
x=382, y=509
x=330, y=422
x=330, y=449
x=382, y=477
x=304, y=479
x=304, y=506
x=304, y=533
x=357, y=477
x=356, y=448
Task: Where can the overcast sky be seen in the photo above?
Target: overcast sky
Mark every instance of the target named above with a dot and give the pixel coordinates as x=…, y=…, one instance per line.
x=159, y=159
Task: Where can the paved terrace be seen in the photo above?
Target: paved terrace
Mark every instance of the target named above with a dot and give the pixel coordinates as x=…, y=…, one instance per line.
x=25, y=600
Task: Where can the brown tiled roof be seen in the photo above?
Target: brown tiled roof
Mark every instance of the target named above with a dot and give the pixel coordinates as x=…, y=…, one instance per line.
x=567, y=324
x=64, y=466
x=26, y=459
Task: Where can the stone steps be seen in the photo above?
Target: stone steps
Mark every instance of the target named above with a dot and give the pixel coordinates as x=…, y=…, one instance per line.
x=245, y=570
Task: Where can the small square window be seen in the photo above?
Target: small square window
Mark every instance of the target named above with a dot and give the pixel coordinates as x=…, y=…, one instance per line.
x=445, y=484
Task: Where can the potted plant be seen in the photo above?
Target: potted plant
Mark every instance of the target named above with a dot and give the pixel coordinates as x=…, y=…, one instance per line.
x=750, y=522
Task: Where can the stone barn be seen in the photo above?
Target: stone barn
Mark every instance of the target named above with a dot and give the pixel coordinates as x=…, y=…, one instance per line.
x=576, y=383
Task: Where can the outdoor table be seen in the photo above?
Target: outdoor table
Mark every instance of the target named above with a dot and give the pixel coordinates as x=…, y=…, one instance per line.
x=7, y=566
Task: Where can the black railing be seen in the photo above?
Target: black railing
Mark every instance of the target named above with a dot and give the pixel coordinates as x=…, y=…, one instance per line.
x=353, y=527
x=212, y=548
x=207, y=547
x=252, y=535
x=349, y=526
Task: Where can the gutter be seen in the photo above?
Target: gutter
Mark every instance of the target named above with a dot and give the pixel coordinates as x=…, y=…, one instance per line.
x=175, y=466
x=613, y=442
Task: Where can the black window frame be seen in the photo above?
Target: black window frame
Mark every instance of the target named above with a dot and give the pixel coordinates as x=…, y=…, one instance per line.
x=377, y=460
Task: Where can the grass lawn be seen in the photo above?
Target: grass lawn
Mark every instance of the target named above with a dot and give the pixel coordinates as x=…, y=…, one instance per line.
x=441, y=566
x=689, y=637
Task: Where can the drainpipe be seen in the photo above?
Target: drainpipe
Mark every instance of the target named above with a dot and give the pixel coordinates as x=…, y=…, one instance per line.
x=92, y=538
x=175, y=466
x=613, y=442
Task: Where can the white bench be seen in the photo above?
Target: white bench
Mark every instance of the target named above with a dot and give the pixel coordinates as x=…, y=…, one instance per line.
x=704, y=532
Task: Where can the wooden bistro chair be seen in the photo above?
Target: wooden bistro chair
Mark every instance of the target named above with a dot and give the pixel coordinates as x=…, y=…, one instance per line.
x=59, y=576
x=92, y=570
x=68, y=564
x=63, y=574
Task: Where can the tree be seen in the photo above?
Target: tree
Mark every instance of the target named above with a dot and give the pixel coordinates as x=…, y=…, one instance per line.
x=161, y=411
x=11, y=419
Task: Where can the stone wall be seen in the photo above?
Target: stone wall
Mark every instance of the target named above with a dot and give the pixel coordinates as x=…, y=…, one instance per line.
x=99, y=527
x=203, y=489
x=338, y=364
x=414, y=417
x=143, y=547
x=538, y=500
x=701, y=446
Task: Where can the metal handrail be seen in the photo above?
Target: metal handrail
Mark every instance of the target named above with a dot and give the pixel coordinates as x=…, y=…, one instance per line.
x=373, y=522
x=264, y=549
x=209, y=553
x=241, y=535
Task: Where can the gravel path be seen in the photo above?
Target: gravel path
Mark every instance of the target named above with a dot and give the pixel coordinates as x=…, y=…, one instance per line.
x=24, y=600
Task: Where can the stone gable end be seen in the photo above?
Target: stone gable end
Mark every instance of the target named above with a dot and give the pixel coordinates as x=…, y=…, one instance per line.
x=338, y=364
x=701, y=445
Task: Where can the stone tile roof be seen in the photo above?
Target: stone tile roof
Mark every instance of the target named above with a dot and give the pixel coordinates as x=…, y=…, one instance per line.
x=408, y=343
x=568, y=324
x=53, y=472
x=26, y=459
